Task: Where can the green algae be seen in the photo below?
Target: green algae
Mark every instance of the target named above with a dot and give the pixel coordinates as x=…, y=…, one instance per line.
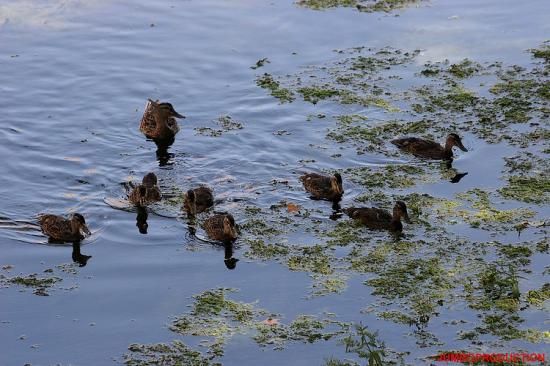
x=258, y=249
x=303, y=329
x=527, y=189
x=39, y=284
x=390, y=176
x=402, y=279
x=267, y=82
x=260, y=63
x=314, y=94
x=539, y=297
x=543, y=52
x=325, y=4
x=311, y=259
x=336, y=283
x=175, y=353
x=367, y=6
x=225, y=122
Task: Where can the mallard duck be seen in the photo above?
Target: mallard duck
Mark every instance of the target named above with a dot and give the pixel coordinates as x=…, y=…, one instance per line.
x=145, y=193
x=159, y=121
x=376, y=218
x=430, y=149
x=198, y=200
x=323, y=187
x=62, y=229
x=221, y=227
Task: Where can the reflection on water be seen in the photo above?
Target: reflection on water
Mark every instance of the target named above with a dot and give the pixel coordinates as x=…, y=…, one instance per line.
x=141, y=220
x=78, y=257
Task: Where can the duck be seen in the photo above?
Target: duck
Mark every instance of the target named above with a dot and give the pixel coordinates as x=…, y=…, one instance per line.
x=62, y=229
x=145, y=193
x=198, y=200
x=376, y=218
x=159, y=121
x=221, y=227
x=323, y=187
x=430, y=149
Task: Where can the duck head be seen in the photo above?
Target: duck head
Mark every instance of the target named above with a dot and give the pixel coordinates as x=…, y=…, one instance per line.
x=149, y=180
x=165, y=110
x=454, y=140
x=400, y=211
x=78, y=223
x=336, y=184
x=229, y=229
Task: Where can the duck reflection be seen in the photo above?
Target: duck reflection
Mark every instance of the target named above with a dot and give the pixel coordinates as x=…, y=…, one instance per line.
x=141, y=220
x=229, y=260
x=450, y=173
x=78, y=257
x=164, y=157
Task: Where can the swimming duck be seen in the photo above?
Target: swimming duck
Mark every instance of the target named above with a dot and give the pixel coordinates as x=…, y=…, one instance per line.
x=430, y=149
x=159, y=121
x=221, y=227
x=62, y=229
x=145, y=193
x=323, y=187
x=376, y=218
x=198, y=200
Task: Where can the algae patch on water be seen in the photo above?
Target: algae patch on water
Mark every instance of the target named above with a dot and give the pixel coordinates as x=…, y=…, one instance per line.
x=368, y=6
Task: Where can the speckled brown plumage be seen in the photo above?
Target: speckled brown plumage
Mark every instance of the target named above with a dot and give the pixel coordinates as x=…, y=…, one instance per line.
x=323, y=187
x=62, y=229
x=376, y=218
x=159, y=121
x=198, y=200
x=221, y=227
x=145, y=193
x=430, y=149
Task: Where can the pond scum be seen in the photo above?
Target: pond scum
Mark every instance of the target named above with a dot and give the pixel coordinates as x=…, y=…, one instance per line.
x=494, y=280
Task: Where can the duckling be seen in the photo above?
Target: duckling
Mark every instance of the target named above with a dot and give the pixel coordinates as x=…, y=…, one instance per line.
x=62, y=229
x=145, y=193
x=159, y=121
x=198, y=200
x=221, y=227
x=323, y=187
x=430, y=149
x=376, y=218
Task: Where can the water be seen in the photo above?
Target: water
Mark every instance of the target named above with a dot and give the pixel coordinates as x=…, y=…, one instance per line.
x=75, y=78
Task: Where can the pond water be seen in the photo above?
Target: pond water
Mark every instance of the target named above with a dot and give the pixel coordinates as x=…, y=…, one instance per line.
x=75, y=78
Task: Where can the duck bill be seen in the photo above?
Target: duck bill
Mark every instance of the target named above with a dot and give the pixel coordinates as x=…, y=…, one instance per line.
x=407, y=219
x=177, y=115
x=86, y=230
x=461, y=147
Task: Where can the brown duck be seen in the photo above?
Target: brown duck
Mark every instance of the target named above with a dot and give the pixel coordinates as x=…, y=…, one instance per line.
x=159, y=121
x=376, y=218
x=430, y=149
x=221, y=227
x=198, y=200
x=323, y=187
x=62, y=229
x=145, y=193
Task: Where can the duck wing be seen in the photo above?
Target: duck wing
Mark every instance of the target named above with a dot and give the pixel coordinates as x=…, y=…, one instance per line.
x=415, y=143
x=214, y=227
x=317, y=184
x=148, y=124
x=54, y=226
